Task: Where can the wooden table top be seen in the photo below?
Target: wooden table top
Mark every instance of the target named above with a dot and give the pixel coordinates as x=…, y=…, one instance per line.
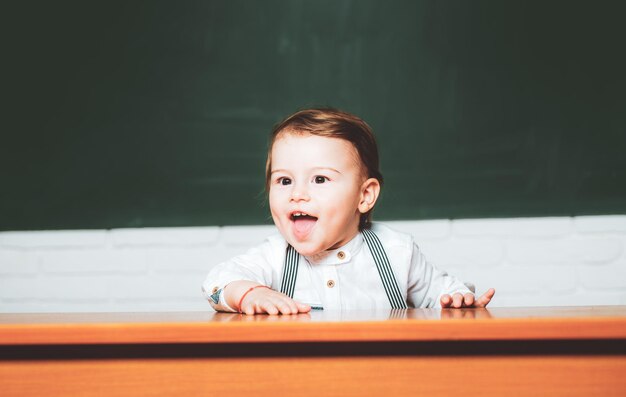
x=597, y=322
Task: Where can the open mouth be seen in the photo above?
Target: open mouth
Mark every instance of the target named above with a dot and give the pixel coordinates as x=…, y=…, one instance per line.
x=303, y=223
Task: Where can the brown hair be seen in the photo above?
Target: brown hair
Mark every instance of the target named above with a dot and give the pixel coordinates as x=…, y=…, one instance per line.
x=332, y=123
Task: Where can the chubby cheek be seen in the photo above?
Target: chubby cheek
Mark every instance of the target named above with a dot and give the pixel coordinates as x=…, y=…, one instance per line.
x=275, y=206
x=347, y=202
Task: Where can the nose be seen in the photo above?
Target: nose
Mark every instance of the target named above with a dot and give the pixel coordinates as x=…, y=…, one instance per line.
x=299, y=192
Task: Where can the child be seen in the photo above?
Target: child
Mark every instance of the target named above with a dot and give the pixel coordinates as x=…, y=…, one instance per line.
x=323, y=181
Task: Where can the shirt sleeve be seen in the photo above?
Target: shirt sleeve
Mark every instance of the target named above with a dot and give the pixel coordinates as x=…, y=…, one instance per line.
x=427, y=284
x=255, y=265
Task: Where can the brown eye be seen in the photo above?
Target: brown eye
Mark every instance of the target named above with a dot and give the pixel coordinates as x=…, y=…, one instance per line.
x=284, y=181
x=320, y=179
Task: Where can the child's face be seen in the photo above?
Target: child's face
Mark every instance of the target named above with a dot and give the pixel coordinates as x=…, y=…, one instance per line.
x=316, y=191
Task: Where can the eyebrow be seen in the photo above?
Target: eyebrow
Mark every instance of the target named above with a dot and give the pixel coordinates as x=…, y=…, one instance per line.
x=328, y=169
x=314, y=169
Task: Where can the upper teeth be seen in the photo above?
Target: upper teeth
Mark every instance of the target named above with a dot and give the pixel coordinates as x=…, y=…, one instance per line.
x=299, y=214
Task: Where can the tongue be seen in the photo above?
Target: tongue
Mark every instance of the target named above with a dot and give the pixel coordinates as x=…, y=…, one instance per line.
x=302, y=227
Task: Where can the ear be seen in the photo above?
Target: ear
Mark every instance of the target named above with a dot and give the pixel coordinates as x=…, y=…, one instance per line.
x=370, y=189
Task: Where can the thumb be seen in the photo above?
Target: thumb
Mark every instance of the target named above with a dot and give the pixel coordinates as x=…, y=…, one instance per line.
x=486, y=298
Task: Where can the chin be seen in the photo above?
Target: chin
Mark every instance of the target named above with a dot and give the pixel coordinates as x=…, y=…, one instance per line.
x=305, y=249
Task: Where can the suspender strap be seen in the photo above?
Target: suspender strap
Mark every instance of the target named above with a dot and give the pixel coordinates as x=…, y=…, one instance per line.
x=292, y=258
x=290, y=271
x=384, y=270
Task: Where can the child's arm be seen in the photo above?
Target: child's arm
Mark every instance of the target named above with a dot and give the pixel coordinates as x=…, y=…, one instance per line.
x=242, y=284
x=431, y=287
x=250, y=297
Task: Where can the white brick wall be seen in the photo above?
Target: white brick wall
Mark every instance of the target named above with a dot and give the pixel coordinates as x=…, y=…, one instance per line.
x=530, y=261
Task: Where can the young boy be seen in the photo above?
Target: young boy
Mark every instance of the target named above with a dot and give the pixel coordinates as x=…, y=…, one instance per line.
x=323, y=179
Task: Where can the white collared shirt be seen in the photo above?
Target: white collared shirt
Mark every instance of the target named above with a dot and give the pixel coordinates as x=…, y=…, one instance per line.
x=345, y=278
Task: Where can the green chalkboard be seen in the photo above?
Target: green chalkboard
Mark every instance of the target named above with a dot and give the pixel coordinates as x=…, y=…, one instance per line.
x=156, y=113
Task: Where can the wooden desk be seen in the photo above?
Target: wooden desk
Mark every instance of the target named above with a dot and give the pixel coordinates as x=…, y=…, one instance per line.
x=513, y=351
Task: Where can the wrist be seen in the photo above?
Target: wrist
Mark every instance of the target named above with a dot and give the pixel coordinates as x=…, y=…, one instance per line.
x=234, y=290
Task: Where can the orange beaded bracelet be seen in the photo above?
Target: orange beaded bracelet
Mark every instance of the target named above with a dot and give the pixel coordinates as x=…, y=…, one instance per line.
x=246, y=293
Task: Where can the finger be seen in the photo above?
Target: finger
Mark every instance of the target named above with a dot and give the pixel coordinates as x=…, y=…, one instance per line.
x=268, y=307
x=248, y=309
x=445, y=300
x=250, y=302
x=457, y=300
x=286, y=306
x=468, y=300
x=293, y=305
x=303, y=307
x=486, y=298
x=283, y=303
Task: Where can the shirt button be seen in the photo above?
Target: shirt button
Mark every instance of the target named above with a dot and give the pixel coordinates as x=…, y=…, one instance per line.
x=341, y=254
x=330, y=283
x=215, y=289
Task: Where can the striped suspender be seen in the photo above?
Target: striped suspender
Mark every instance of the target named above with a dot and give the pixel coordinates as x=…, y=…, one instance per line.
x=290, y=271
x=292, y=258
x=384, y=270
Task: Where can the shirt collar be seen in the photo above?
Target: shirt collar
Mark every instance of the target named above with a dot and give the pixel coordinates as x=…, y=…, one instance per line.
x=343, y=254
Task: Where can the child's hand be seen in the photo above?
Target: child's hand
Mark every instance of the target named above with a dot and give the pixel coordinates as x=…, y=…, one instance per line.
x=458, y=300
x=265, y=300
x=262, y=299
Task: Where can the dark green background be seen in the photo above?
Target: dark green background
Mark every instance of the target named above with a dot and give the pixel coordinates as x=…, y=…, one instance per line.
x=130, y=114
